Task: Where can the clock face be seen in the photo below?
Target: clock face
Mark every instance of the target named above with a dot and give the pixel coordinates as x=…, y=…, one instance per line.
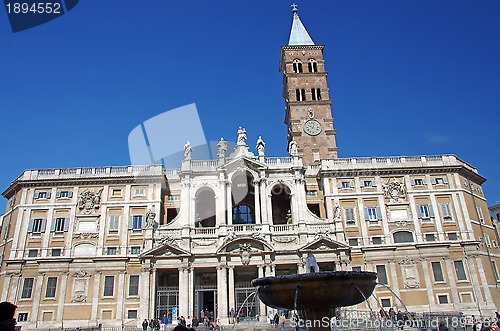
x=312, y=127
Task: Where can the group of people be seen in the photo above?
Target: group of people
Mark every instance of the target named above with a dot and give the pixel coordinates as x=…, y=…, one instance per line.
x=153, y=324
x=277, y=319
x=400, y=318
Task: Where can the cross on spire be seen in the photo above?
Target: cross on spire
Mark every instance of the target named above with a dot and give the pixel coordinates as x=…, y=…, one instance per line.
x=294, y=7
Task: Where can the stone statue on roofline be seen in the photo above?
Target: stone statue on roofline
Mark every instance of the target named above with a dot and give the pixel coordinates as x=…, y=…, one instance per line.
x=187, y=151
x=260, y=146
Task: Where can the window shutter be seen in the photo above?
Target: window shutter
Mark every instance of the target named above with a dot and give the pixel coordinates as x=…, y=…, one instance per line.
x=53, y=225
x=374, y=183
x=66, y=224
x=44, y=225
x=143, y=222
x=70, y=194
x=445, y=180
x=431, y=211
x=130, y=222
x=35, y=196
x=48, y=195
x=419, y=212
x=442, y=207
x=361, y=183
x=58, y=194
x=351, y=183
x=412, y=182
x=433, y=181
x=379, y=214
x=30, y=226
x=339, y=184
x=424, y=181
x=367, y=216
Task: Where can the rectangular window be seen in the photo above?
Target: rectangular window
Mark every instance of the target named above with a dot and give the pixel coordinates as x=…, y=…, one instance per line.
x=116, y=192
x=109, y=286
x=135, y=222
x=64, y=194
x=460, y=270
x=437, y=272
x=312, y=193
x=133, y=285
x=356, y=268
x=345, y=184
x=59, y=224
x=50, y=292
x=425, y=211
x=42, y=195
x=32, y=252
x=367, y=183
x=439, y=181
x=132, y=314
x=382, y=274
x=386, y=303
x=446, y=211
x=36, y=225
x=443, y=299
x=22, y=317
x=135, y=250
x=349, y=216
x=480, y=214
x=452, y=236
x=353, y=242
x=430, y=237
x=56, y=252
x=114, y=221
x=27, y=288
x=174, y=197
x=139, y=191
x=418, y=182
x=377, y=240
x=111, y=251
x=373, y=213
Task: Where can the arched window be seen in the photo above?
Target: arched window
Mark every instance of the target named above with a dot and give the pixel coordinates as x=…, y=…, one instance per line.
x=243, y=214
x=312, y=65
x=300, y=94
x=316, y=93
x=280, y=201
x=402, y=237
x=205, y=208
x=297, y=66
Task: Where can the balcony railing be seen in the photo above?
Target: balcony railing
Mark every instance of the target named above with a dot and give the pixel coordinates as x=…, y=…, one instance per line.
x=244, y=227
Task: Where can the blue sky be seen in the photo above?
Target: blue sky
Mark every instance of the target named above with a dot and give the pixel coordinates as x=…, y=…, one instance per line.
x=407, y=78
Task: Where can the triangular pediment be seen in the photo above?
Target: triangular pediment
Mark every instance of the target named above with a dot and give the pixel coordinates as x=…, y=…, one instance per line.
x=165, y=250
x=243, y=162
x=323, y=243
x=232, y=244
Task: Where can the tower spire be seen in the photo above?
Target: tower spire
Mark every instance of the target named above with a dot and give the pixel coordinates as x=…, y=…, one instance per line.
x=298, y=34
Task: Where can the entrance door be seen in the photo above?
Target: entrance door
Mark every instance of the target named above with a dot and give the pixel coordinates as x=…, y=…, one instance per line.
x=166, y=299
x=206, y=300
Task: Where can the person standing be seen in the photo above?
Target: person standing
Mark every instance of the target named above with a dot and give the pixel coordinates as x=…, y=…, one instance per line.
x=232, y=315
x=145, y=325
x=189, y=321
x=282, y=320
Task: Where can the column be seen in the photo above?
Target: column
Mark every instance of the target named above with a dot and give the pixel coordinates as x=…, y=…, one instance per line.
x=222, y=310
x=191, y=292
x=229, y=204
x=15, y=283
x=484, y=282
x=428, y=283
x=62, y=296
x=232, y=302
x=152, y=292
x=120, y=295
x=453, y=282
x=263, y=201
x=183, y=291
x=257, y=202
x=37, y=296
x=144, y=293
x=6, y=286
x=95, y=296
x=262, y=306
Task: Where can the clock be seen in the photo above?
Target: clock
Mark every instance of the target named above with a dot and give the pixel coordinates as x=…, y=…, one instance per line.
x=312, y=127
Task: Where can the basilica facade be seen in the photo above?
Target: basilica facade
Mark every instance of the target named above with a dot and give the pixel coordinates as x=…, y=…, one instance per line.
x=116, y=245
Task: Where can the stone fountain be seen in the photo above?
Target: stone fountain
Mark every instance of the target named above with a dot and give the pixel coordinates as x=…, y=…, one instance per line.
x=315, y=295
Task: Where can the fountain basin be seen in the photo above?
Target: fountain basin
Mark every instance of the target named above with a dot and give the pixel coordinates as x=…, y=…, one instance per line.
x=316, y=291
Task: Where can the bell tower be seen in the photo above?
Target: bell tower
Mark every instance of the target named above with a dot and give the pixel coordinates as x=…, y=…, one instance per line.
x=305, y=89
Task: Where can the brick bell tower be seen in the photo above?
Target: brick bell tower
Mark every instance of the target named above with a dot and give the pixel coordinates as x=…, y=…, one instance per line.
x=305, y=89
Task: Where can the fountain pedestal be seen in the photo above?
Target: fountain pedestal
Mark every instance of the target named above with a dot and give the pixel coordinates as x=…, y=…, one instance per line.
x=315, y=295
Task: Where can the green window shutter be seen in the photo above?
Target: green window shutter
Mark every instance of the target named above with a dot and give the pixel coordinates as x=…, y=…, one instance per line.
x=412, y=182
x=431, y=211
x=433, y=181
x=58, y=194
x=130, y=222
x=367, y=216
x=424, y=181
x=445, y=180
x=66, y=224
x=53, y=225
x=70, y=194
x=30, y=226
x=419, y=212
x=379, y=213
x=35, y=196
x=44, y=225
x=48, y=195
x=361, y=183
x=351, y=183
x=143, y=222
x=339, y=184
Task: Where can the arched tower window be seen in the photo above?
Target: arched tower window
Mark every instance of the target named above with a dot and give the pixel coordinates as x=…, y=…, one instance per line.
x=243, y=198
x=316, y=93
x=205, y=208
x=312, y=65
x=300, y=94
x=281, y=206
x=297, y=66
x=402, y=237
